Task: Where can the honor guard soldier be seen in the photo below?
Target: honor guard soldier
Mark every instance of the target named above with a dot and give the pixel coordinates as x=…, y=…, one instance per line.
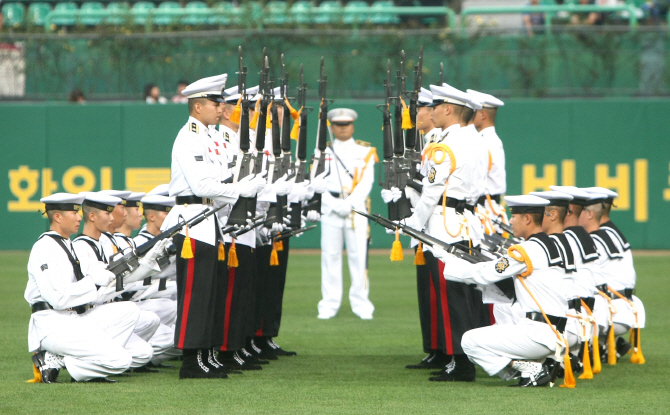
x=351, y=166
x=507, y=349
x=97, y=210
x=133, y=219
x=620, y=278
x=197, y=182
x=66, y=330
x=496, y=183
x=440, y=211
x=424, y=116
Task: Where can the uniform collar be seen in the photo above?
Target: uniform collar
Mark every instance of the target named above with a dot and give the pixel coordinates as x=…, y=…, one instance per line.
x=448, y=130
x=340, y=143
x=488, y=130
x=202, y=127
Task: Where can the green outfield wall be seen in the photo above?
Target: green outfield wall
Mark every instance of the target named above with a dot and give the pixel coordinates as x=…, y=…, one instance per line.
x=622, y=144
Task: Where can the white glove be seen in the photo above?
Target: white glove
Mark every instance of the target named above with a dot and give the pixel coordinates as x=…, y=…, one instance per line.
x=263, y=236
x=102, y=277
x=343, y=209
x=157, y=250
x=391, y=195
x=259, y=182
x=319, y=183
x=439, y=253
x=246, y=187
x=282, y=187
x=312, y=216
x=299, y=191
x=278, y=227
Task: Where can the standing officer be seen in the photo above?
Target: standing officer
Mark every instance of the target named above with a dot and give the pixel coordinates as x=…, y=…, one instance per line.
x=351, y=165
x=197, y=183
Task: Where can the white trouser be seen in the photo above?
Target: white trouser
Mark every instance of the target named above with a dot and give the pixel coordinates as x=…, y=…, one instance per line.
x=147, y=325
x=162, y=340
x=508, y=313
x=139, y=343
x=93, y=343
x=624, y=313
x=164, y=308
x=140, y=350
x=494, y=347
x=356, y=240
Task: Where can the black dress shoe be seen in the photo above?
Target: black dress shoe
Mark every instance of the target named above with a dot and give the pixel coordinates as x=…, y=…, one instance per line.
x=251, y=359
x=43, y=361
x=622, y=347
x=144, y=369
x=217, y=367
x=236, y=362
x=432, y=361
x=278, y=350
x=195, y=367
x=94, y=380
x=460, y=369
x=541, y=378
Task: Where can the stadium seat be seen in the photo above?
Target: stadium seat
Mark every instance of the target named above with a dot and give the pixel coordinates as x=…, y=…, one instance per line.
x=195, y=19
x=383, y=18
x=65, y=21
x=224, y=12
x=37, y=12
x=15, y=14
x=357, y=6
x=251, y=11
x=87, y=19
x=138, y=11
x=167, y=20
x=301, y=12
x=333, y=7
x=277, y=12
x=123, y=8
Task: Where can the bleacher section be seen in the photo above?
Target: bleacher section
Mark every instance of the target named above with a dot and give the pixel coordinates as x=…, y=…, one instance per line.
x=20, y=14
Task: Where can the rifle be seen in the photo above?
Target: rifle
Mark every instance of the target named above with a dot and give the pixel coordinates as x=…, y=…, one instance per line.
x=505, y=227
x=122, y=265
x=301, y=149
x=469, y=255
x=412, y=135
x=319, y=156
x=275, y=168
x=262, y=116
x=245, y=207
x=395, y=169
x=291, y=232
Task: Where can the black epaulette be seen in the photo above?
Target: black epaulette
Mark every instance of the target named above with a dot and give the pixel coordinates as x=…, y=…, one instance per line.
x=605, y=239
x=549, y=247
x=587, y=247
x=564, y=248
x=609, y=225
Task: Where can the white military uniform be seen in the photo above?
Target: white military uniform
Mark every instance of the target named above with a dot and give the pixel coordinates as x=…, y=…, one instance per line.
x=357, y=160
x=494, y=347
x=92, y=343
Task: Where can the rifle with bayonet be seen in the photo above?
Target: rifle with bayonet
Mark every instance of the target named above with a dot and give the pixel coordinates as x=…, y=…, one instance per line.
x=469, y=255
x=122, y=265
x=318, y=162
x=245, y=207
x=412, y=136
x=301, y=148
x=394, y=166
x=275, y=168
x=287, y=233
x=262, y=116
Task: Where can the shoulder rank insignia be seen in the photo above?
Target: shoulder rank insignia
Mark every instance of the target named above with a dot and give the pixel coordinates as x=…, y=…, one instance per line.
x=431, y=175
x=502, y=265
x=363, y=143
x=227, y=136
x=44, y=267
x=194, y=128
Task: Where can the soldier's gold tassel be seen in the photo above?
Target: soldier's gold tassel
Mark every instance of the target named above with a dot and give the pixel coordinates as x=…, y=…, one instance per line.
x=396, y=250
x=232, y=256
x=419, y=259
x=274, y=258
x=586, y=361
x=222, y=252
x=237, y=112
x=186, y=250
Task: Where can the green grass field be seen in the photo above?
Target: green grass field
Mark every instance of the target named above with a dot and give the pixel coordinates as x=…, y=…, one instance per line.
x=344, y=365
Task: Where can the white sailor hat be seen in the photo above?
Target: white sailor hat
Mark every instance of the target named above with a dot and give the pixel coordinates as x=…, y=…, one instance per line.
x=555, y=198
x=474, y=103
x=253, y=93
x=447, y=94
x=277, y=94
x=133, y=200
x=579, y=196
x=526, y=204
x=611, y=194
x=342, y=116
x=487, y=100
x=209, y=88
x=231, y=95
x=100, y=200
x=161, y=189
x=595, y=198
x=63, y=201
x=158, y=202
x=121, y=194
x=425, y=98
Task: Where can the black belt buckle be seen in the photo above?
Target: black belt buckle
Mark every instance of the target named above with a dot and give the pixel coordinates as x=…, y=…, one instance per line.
x=41, y=306
x=559, y=322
